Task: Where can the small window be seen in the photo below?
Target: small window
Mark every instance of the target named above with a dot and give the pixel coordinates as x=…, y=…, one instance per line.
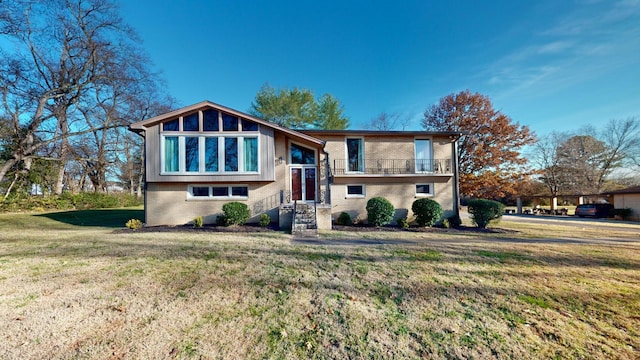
x=190, y=123
x=200, y=191
x=171, y=125
x=210, y=120
x=424, y=189
x=249, y=125
x=242, y=191
x=229, y=122
x=355, y=190
x=221, y=191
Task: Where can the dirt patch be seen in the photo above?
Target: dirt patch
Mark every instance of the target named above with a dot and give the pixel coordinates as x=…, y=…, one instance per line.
x=247, y=228
x=435, y=229
x=255, y=228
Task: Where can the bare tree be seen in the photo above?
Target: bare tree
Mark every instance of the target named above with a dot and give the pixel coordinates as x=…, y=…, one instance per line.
x=70, y=58
x=385, y=122
x=546, y=158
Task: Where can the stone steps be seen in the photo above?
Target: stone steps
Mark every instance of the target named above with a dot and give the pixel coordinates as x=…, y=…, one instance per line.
x=304, y=221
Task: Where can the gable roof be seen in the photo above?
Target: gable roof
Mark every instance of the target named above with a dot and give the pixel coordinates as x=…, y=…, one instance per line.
x=142, y=126
x=629, y=190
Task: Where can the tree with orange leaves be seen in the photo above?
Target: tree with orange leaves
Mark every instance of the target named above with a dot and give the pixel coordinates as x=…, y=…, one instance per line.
x=490, y=162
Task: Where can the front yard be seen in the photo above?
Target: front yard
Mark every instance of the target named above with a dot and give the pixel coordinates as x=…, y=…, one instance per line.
x=72, y=289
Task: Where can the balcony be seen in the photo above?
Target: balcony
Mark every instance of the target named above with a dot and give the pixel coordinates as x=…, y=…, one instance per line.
x=384, y=167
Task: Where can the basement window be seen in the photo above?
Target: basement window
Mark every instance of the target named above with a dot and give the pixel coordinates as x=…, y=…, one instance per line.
x=355, y=191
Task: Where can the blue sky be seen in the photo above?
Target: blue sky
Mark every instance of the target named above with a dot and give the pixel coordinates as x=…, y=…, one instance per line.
x=548, y=64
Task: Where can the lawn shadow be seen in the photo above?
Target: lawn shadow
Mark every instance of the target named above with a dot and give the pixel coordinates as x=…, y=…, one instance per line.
x=112, y=218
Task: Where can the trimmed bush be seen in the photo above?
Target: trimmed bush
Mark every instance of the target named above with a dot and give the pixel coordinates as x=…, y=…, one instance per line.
x=344, y=219
x=265, y=220
x=483, y=211
x=427, y=211
x=134, y=224
x=452, y=221
x=198, y=222
x=235, y=213
x=403, y=223
x=379, y=211
x=624, y=213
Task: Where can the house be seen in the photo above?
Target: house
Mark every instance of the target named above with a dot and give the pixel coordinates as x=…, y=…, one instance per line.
x=628, y=198
x=202, y=156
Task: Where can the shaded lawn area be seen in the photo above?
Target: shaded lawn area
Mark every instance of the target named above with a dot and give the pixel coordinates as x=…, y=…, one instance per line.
x=93, y=293
x=113, y=218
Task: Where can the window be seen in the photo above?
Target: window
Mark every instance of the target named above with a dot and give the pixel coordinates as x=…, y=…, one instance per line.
x=423, y=155
x=301, y=155
x=203, y=192
x=424, y=189
x=355, y=155
x=192, y=158
x=355, y=190
x=171, y=125
x=190, y=123
x=210, y=152
x=229, y=122
x=171, y=154
x=249, y=125
x=200, y=191
x=210, y=120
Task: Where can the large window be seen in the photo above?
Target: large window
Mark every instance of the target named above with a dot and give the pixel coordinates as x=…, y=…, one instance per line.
x=210, y=141
x=424, y=162
x=203, y=154
x=355, y=155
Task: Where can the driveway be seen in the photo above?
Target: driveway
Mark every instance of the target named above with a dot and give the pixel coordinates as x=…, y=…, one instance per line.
x=601, y=224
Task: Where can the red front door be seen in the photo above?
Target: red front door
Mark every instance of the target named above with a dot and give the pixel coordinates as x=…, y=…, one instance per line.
x=303, y=187
x=296, y=184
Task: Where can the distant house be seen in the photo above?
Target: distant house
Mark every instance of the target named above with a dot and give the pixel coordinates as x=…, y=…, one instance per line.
x=202, y=156
x=628, y=198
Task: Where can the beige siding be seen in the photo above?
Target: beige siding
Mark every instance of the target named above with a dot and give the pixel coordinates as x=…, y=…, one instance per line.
x=401, y=193
x=388, y=147
x=628, y=201
x=167, y=204
x=266, y=161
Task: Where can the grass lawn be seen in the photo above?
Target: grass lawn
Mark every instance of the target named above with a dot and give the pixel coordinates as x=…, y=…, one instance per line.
x=70, y=288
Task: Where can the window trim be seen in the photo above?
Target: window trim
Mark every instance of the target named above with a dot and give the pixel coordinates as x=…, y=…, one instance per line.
x=229, y=187
x=429, y=194
x=355, y=196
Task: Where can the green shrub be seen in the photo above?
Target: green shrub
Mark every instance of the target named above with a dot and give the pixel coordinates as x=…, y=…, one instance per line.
x=134, y=224
x=379, y=211
x=403, y=223
x=220, y=220
x=452, y=221
x=483, y=211
x=344, y=219
x=67, y=201
x=198, y=222
x=622, y=213
x=265, y=220
x=235, y=213
x=427, y=211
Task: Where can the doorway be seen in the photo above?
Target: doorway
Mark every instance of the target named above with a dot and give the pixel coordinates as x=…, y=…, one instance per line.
x=303, y=183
